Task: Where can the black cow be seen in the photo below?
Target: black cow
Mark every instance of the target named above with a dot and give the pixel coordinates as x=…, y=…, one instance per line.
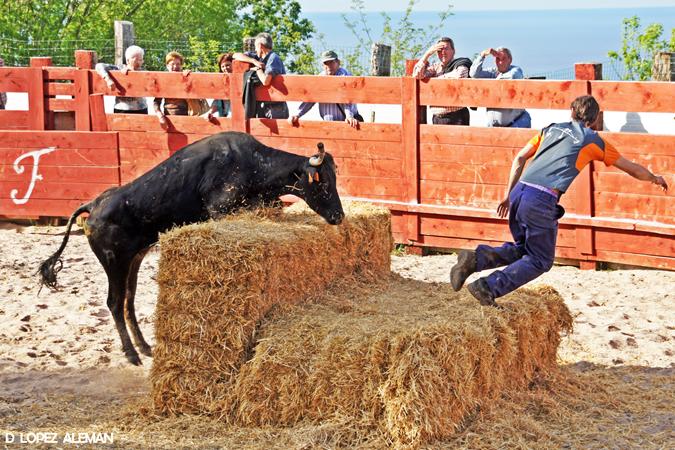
x=214, y=176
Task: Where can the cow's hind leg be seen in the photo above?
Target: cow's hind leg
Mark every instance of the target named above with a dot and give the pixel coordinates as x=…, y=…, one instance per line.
x=130, y=310
x=117, y=285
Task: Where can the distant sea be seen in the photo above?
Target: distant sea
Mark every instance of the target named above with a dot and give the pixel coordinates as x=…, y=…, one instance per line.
x=542, y=42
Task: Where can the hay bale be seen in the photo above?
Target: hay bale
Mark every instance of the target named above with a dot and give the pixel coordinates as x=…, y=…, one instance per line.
x=411, y=359
x=219, y=279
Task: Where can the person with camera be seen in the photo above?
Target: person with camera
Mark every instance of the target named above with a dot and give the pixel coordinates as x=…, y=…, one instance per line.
x=504, y=70
x=337, y=112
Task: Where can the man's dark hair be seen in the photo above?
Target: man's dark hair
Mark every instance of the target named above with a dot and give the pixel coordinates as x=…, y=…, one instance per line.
x=448, y=40
x=585, y=109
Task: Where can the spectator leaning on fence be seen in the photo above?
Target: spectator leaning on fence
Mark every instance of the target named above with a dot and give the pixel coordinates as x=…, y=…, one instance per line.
x=560, y=151
x=222, y=107
x=3, y=96
x=172, y=106
x=500, y=117
x=266, y=64
x=339, y=112
x=447, y=67
x=134, y=61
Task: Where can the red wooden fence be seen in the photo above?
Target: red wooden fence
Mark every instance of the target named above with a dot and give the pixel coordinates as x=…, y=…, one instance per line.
x=442, y=183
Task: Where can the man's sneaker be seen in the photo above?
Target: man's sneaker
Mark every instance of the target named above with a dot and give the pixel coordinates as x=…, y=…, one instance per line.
x=466, y=265
x=481, y=291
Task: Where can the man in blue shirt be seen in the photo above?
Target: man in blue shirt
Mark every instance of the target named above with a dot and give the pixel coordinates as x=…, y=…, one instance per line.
x=266, y=65
x=340, y=112
x=501, y=117
x=560, y=151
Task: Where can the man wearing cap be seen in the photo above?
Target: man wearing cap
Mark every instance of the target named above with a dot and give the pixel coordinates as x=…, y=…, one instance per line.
x=346, y=112
x=504, y=70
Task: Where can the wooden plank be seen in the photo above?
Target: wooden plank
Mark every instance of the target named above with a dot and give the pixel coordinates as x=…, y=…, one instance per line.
x=61, y=104
x=13, y=120
x=367, y=187
x=641, y=143
x=64, y=157
x=97, y=113
x=59, y=190
x=14, y=79
x=634, y=96
x=40, y=207
x=165, y=84
x=635, y=242
x=81, y=101
x=374, y=168
x=326, y=130
x=617, y=181
x=479, y=136
x=60, y=88
x=465, y=173
x=657, y=262
x=501, y=93
x=59, y=73
x=82, y=174
x=180, y=124
x=461, y=194
x=410, y=120
x=643, y=207
x=338, y=148
x=468, y=154
x=60, y=139
x=313, y=88
x=36, y=104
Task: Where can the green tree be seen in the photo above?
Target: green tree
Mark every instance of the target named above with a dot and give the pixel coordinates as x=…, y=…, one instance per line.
x=58, y=27
x=639, y=47
x=407, y=40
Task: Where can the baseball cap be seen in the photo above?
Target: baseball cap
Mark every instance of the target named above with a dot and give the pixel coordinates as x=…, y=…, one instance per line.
x=328, y=55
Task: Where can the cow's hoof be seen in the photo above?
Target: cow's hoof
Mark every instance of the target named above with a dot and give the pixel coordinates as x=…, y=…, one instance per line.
x=134, y=359
x=146, y=350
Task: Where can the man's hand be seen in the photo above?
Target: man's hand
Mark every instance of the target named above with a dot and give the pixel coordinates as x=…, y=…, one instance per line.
x=352, y=122
x=110, y=83
x=660, y=181
x=162, y=121
x=488, y=51
x=124, y=70
x=294, y=120
x=503, y=208
x=186, y=72
x=208, y=115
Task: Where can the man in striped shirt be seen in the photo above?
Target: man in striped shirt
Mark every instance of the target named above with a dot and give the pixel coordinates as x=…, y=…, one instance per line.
x=559, y=153
x=338, y=112
x=447, y=67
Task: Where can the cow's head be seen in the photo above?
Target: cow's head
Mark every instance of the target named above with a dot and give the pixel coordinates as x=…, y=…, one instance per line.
x=319, y=186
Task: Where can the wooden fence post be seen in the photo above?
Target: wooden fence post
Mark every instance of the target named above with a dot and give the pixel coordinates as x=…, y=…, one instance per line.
x=421, y=110
x=411, y=154
x=36, y=94
x=380, y=60
x=664, y=66
x=124, y=37
x=84, y=60
x=585, y=195
x=239, y=121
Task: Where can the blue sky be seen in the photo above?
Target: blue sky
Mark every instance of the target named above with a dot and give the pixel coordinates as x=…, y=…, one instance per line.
x=466, y=5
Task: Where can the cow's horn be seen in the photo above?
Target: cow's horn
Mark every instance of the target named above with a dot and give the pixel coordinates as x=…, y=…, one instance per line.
x=317, y=159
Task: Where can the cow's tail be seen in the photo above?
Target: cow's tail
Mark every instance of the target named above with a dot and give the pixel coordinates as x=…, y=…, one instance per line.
x=53, y=264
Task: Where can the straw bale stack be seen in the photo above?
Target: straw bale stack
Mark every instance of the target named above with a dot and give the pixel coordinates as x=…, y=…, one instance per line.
x=219, y=279
x=291, y=321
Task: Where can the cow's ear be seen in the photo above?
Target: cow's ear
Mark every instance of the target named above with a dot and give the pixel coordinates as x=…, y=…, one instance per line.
x=316, y=176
